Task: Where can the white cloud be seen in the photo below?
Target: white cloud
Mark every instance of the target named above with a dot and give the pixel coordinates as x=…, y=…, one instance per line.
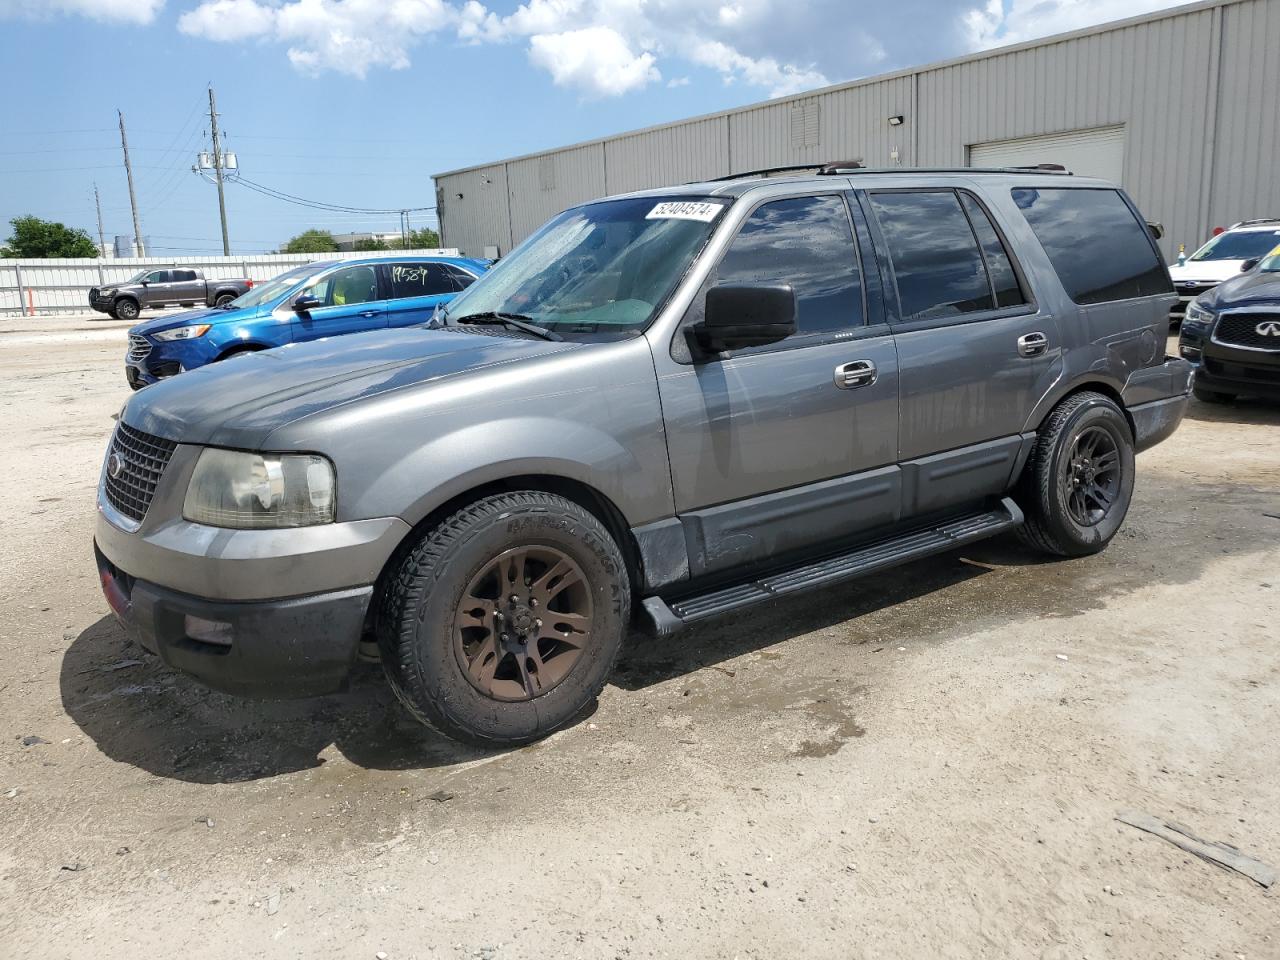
x=993, y=26
x=780, y=78
x=228, y=20
x=121, y=11
x=596, y=60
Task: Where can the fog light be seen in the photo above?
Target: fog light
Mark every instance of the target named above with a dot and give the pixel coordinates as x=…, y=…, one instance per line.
x=1191, y=353
x=207, y=631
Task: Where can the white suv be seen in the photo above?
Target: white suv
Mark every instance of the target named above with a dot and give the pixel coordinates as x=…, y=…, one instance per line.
x=1221, y=258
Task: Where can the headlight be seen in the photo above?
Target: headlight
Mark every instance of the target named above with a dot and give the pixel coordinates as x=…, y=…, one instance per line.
x=230, y=488
x=1198, y=313
x=109, y=292
x=182, y=333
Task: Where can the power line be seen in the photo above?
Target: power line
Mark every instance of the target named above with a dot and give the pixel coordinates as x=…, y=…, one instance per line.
x=321, y=204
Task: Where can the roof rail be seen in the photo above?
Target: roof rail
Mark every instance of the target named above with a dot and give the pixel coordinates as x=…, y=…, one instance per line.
x=842, y=167
x=1250, y=223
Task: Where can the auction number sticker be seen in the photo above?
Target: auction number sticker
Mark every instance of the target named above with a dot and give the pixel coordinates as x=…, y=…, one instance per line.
x=685, y=210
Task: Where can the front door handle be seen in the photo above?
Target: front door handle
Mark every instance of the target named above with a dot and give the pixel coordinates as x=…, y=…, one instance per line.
x=856, y=373
x=1032, y=344
x=368, y=313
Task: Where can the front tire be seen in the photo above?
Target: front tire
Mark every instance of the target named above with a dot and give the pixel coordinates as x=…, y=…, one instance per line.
x=1078, y=481
x=126, y=310
x=503, y=622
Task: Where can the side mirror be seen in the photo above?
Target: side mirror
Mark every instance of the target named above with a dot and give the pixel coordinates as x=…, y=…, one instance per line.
x=306, y=303
x=1157, y=229
x=1250, y=264
x=146, y=283
x=746, y=315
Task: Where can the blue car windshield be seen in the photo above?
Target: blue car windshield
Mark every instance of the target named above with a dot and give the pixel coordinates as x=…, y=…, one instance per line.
x=599, y=271
x=276, y=287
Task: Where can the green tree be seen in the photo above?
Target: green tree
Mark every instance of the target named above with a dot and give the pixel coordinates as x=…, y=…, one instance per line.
x=424, y=239
x=371, y=243
x=312, y=241
x=35, y=238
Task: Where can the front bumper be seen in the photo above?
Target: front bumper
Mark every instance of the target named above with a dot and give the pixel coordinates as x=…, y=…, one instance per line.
x=296, y=647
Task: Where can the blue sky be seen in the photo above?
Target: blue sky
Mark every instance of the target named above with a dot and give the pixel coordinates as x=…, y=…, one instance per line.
x=357, y=102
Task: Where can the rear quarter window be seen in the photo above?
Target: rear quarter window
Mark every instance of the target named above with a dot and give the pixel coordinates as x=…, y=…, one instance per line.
x=1095, y=243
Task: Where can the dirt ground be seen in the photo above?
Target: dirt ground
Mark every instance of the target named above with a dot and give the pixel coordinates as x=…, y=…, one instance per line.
x=924, y=764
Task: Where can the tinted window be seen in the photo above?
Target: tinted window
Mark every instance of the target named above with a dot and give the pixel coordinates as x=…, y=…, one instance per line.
x=1004, y=281
x=936, y=261
x=1093, y=240
x=183, y=276
x=157, y=276
x=808, y=243
x=418, y=280
x=460, y=277
x=347, y=286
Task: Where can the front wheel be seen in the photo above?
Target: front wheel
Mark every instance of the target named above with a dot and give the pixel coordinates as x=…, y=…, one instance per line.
x=1078, y=481
x=126, y=310
x=502, y=623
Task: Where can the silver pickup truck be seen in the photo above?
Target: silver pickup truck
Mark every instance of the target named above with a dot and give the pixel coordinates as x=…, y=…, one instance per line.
x=166, y=287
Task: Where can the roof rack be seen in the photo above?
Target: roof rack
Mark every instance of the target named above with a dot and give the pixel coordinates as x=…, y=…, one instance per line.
x=842, y=167
x=1252, y=223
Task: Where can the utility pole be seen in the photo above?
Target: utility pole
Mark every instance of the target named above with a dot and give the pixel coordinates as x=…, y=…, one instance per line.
x=217, y=169
x=133, y=199
x=404, y=229
x=97, y=201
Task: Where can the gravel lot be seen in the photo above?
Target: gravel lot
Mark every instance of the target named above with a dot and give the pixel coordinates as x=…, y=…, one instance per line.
x=924, y=764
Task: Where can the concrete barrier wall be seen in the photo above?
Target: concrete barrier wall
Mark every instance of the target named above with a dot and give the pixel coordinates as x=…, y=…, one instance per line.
x=34, y=287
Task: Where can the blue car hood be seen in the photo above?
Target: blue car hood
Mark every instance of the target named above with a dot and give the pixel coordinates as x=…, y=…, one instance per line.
x=239, y=402
x=1247, y=288
x=192, y=317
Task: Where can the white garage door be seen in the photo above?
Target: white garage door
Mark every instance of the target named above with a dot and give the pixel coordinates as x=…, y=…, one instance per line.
x=1086, y=153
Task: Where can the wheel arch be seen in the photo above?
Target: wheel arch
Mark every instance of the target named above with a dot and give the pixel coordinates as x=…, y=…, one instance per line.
x=1105, y=386
x=241, y=346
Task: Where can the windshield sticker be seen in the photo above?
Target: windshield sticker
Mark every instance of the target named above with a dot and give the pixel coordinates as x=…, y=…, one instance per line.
x=685, y=210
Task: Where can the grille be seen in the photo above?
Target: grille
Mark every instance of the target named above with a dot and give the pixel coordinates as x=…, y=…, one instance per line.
x=139, y=348
x=1192, y=290
x=142, y=459
x=1241, y=330
x=93, y=294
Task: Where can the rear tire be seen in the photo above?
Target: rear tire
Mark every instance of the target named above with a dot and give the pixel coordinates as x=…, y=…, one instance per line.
x=1211, y=396
x=503, y=622
x=223, y=299
x=1078, y=482
x=126, y=309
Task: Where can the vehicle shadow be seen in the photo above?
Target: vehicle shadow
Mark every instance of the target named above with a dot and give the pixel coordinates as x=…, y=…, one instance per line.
x=1245, y=410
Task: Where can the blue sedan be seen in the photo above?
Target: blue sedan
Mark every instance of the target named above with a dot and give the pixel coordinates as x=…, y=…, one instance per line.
x=324, y=299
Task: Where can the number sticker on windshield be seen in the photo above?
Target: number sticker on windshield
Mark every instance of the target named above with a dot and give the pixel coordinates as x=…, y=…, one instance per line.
x=684, y=210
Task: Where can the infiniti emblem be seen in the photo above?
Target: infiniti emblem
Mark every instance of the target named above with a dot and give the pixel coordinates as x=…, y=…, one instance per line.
x=1268, y=328
x=115, y=466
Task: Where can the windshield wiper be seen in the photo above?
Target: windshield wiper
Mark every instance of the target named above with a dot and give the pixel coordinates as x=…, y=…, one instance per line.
x=516, y=321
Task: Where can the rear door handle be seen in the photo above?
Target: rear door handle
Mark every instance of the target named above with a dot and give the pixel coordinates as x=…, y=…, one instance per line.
x=1032, y=344
x=855, y=373
x=368, y=313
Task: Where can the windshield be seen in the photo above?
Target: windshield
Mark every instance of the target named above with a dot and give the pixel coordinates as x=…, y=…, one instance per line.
x=1238, y=245
x=599, y=271
x=277, y=287
x=1271, y=264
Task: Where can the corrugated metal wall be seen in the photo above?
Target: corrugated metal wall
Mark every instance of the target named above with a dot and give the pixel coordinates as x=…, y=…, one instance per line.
x=1194, y=90
x=62, y=285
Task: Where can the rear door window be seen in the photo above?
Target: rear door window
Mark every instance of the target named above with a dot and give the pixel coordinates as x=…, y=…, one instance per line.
x=1004, y=279
x=183, y=276
x=461, y=278
x=418, y=280
x=936, y=260
x=1095, y=243
x=808, y=243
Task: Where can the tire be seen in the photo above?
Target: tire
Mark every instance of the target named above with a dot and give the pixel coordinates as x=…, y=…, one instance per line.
x=112, y=314
x=1211, y=396
x=1082, y=458
x=223, y=299
x=447, y=661
x=126, y=309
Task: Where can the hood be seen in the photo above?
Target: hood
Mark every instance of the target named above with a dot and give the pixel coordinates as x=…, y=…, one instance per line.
x=1204, y=271
x=239, y=402
x=1245, y=288
x=190, y=317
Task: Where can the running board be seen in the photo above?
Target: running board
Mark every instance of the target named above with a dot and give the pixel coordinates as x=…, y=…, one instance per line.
x=667, y=618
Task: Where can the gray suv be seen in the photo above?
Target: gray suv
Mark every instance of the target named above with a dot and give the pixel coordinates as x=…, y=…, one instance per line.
x=674, y=404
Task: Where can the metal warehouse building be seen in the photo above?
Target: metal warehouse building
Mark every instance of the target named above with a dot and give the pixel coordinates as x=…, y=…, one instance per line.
x=1179, y=107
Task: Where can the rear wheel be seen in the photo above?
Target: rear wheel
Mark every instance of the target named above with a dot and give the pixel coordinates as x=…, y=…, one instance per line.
x=1078, y=481
x=502, y=623
x=126, y=309
x=223, y=299
x=1211, y=396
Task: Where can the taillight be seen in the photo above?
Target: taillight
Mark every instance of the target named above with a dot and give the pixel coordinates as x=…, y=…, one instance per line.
x=250, y=285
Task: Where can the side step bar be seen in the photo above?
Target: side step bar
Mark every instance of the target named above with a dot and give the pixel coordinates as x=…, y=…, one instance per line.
x=668, y=618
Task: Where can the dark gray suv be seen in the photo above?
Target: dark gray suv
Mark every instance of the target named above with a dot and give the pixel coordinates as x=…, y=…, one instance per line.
x=673, y=404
